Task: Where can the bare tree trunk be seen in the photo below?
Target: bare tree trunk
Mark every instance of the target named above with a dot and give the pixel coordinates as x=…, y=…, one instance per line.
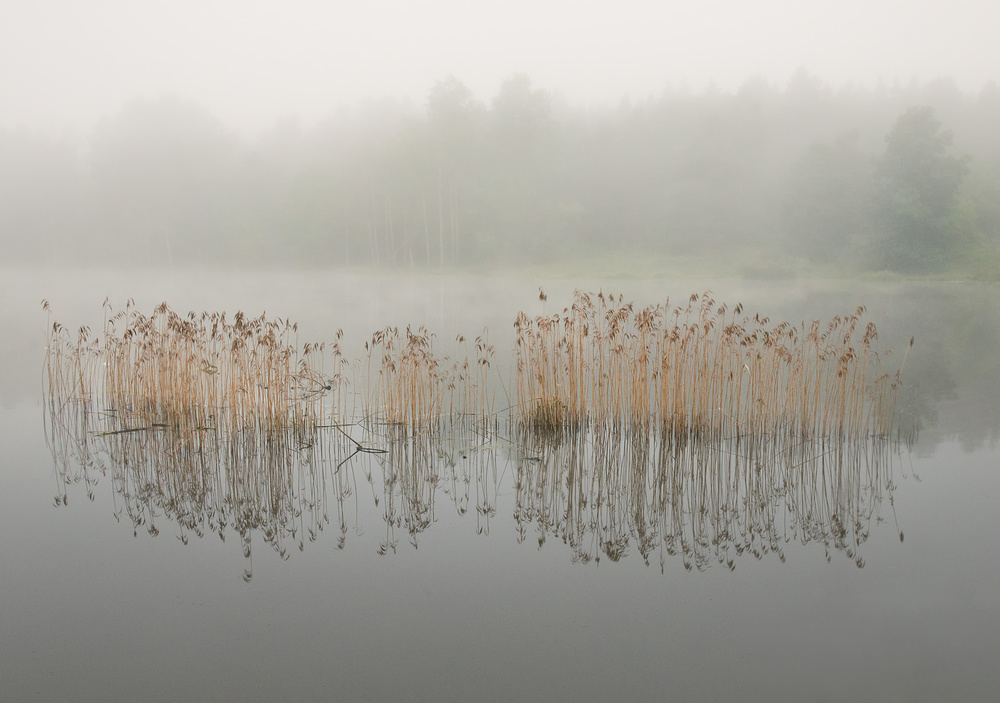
x=391, y=253
x=454, y=223
x=165, y=234
x=427, y=227
x=373, y=227
x=440, y=219
x=347, y=242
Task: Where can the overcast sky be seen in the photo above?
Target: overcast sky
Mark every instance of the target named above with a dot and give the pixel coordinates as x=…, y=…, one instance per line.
x=64, y=64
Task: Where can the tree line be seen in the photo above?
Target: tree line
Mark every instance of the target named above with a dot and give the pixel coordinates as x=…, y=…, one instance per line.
x=905, y=178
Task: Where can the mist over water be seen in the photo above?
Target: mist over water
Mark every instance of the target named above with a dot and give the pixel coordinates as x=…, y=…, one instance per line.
x=482, y=547
x=293, y=489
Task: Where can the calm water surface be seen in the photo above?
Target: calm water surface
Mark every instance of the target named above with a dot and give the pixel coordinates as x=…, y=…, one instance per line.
x=491, y=592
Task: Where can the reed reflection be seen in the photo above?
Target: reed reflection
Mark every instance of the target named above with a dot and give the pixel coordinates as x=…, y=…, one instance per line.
x=704, y=500
x=286, y=487
x=456, y=465
x=605, y=494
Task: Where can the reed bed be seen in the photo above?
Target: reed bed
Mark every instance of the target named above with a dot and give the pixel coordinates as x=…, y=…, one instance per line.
x=693, y=430
x=700, y=369
x=409, y=385
x=196, y=372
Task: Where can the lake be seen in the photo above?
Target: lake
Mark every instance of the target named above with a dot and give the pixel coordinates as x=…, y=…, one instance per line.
x=488, y=565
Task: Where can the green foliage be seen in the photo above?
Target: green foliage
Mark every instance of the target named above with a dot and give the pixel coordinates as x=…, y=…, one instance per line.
x=917, y=183
x=982, y=190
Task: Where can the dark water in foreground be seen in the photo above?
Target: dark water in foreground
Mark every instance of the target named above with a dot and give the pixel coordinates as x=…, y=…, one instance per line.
x=441, y=570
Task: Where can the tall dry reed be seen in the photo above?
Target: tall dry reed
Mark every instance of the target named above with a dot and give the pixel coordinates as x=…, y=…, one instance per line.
x=699, y=369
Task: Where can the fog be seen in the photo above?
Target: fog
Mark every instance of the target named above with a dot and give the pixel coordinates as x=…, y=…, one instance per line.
x=377, y=205
x=766, y=138
x=762, y=181
x=65, y=65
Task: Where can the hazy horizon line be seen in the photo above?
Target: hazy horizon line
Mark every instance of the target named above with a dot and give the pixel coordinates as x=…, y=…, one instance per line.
x=407, y=103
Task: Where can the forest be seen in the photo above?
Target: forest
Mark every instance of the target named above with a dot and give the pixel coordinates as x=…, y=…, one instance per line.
x=764, y=180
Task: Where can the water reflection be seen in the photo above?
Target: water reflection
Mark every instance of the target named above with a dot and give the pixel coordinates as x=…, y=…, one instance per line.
x=459, y=462
x=702, y=500
x=606, y=494
x=279, y=486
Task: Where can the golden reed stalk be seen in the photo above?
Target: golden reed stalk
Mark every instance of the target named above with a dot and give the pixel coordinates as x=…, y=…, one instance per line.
x=699, y=369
